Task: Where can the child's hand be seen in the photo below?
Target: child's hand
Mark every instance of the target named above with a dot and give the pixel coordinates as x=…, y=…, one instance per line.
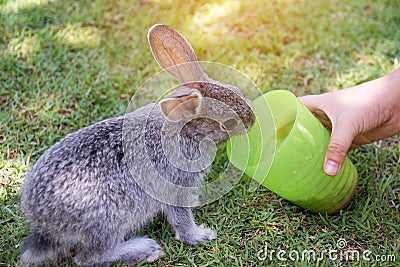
x=358, y=115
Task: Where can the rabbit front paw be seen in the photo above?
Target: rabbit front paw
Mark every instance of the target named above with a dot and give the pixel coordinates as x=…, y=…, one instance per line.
x=196, y=235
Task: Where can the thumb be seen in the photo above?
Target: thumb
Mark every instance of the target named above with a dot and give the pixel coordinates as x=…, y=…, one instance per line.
x=339, y=144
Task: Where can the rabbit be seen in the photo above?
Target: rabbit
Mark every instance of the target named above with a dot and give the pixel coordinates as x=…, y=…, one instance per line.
x=83, y=196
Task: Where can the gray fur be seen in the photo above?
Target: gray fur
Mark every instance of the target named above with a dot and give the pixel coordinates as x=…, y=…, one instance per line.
x=81, y=198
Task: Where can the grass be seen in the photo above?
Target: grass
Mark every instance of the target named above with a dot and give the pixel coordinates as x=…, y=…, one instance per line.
x=67, y=64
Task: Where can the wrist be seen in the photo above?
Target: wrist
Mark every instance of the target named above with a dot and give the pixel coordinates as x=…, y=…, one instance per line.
x=392, y=90
x=392, y=99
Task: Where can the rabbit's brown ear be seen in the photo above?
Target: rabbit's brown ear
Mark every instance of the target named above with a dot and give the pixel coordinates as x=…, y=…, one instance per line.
x=174, y=54
x=181, y=107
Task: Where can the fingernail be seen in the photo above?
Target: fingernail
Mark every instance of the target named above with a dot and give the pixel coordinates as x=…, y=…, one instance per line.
x=331, y=167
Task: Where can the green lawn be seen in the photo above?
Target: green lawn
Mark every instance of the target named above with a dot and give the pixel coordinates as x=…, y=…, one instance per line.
x=67, y=64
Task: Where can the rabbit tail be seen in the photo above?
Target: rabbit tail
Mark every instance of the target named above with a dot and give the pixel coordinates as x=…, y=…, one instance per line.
x=37, y=249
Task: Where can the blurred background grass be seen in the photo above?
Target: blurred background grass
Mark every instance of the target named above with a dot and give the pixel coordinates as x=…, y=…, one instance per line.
x=67, y=64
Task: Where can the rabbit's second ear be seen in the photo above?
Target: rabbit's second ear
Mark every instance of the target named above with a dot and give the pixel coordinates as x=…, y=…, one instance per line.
x=181, y=107
x=174, y=54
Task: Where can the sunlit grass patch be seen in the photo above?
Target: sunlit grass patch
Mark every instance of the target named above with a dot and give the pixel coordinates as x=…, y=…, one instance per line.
x=16, y=5
x=12, y=173
x=80, y=36
x=24, y=46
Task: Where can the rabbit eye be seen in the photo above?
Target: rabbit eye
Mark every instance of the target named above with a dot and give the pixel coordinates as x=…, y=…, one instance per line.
x=198, y=85
x=229, y=124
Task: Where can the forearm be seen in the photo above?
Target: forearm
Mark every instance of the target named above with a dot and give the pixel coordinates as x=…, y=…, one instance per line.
x=386, y=91
x=382, y=94
x=393, y=88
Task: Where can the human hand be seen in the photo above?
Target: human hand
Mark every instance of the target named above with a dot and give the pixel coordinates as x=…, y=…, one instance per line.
x=358, y=115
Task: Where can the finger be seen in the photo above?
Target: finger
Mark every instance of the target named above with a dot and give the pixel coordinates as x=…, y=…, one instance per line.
x=354, y=146
x=310, y=101
x=323, y=118
x=315, y=104
x=339, y=144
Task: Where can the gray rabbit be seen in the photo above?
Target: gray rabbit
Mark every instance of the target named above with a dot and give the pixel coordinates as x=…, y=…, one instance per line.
x=85, y=194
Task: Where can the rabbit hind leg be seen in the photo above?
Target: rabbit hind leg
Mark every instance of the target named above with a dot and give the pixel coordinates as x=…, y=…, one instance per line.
x=138, y=249
x=130, y=251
